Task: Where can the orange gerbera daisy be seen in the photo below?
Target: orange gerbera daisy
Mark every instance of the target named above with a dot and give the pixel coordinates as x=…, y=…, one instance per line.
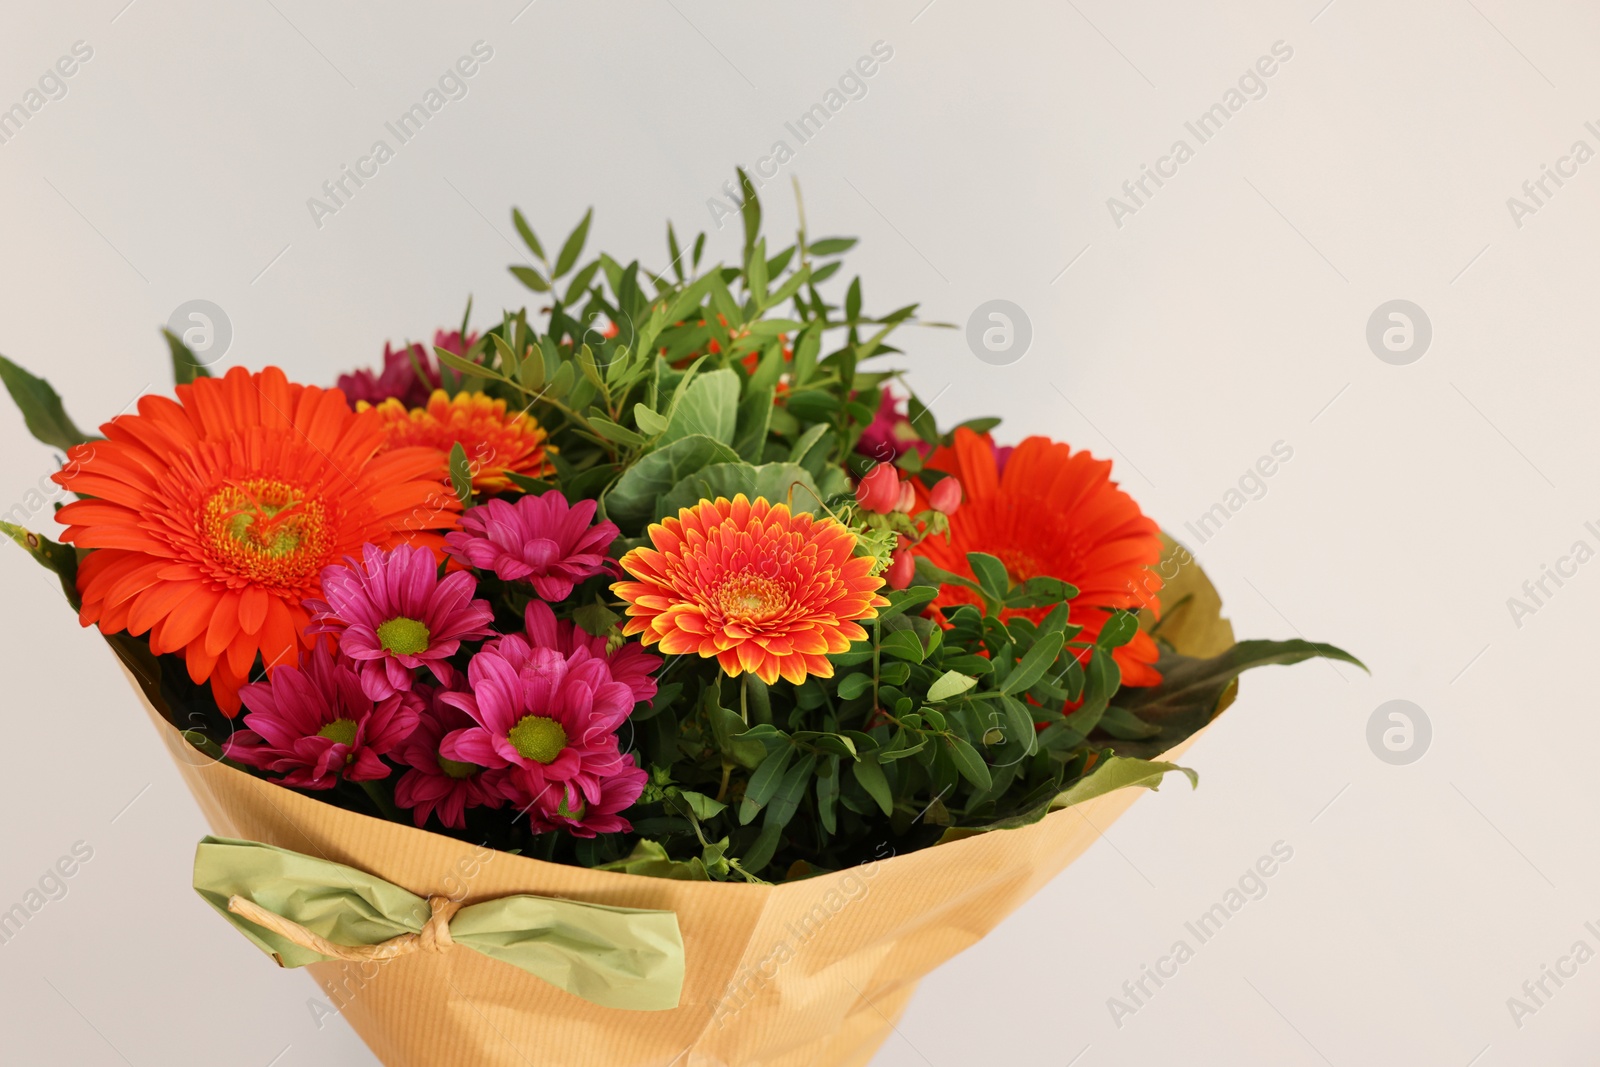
x=761, y=589
x=1049, y=511
x=212, y=516
x=495, y=441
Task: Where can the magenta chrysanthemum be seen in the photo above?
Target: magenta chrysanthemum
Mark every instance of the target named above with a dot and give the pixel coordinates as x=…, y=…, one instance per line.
x=540, y=539
x=313, y=724
x=392, y=614
x=629, y=664
x=436, y=784
x=568, y=807
x=399, y=377
x=551, y=720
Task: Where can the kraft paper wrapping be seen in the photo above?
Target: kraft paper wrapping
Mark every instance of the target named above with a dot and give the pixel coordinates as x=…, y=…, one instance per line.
x=805, y=974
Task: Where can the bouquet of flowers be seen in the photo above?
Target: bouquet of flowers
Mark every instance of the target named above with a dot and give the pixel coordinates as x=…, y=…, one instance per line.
x=526, y=643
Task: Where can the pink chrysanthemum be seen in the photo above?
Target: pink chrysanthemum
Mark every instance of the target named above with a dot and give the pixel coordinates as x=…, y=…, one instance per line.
x=629, y=664
x=583, y=813
x=313, y=723
x=399, y=377
x=541, y=539
x=436, y=784
x=552, y=720
x=392, y=614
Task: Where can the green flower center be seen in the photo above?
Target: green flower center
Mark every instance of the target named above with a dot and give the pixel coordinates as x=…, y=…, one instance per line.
x=568, y=813
x=538, y=738
x=341, y=731
x=403, y=636
x=455, y=769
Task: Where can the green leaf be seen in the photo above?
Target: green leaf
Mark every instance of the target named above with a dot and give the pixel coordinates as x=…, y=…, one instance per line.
x=950, y=684
x=60, y=559
x=967, y=761
x=467, y=366
x=786, y=801
x=755, y=419
x=595, y=619
x=526, y=231
x=854, y=685
x=186, y=367
x=460, y=473
x=728, y=730
x=991, y=574
x=531, y=278
x=1125, y=725
x=1033, y=664
x=702, y=806
x=749, y=211
x=764, y=783
x=902, y=644
x=709, y=406
x=872, y=779
x=632, y=500
x=778, y=483
x=41, y=407
x=904, y=600
x=650, y=858
x=1119, y=628
x=1191, y=690
x=1118, y=772
x=831, y=246
x=573, y=248
x=648, y=420
x=620, y=434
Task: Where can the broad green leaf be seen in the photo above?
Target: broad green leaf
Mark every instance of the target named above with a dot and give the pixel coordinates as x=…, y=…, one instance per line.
x=41, y=408
x=648, y=421
x=902, y=644
x=991, y=574
x=786, y=801
x=709, y=406
x=854, y=685
x=704, y=807
x=632, y=500
x=950, y=684
x=778, y=483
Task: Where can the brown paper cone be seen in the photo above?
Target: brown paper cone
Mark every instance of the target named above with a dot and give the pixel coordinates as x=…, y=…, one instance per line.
x=811, y=973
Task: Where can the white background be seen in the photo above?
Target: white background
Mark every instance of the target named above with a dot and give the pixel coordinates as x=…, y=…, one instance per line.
x=1228, y=313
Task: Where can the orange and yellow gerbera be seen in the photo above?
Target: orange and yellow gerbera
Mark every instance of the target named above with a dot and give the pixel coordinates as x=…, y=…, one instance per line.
x=1050, y=511
x=763, y=590
x=495, y=441
x=213, y=515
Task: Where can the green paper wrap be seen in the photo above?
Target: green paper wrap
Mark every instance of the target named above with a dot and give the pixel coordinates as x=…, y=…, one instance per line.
x=627, y=958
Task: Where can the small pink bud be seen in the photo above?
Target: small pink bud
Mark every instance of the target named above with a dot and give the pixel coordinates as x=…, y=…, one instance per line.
x=901, y=570
x=908, y=498
x=879, y=491
x=946, y=496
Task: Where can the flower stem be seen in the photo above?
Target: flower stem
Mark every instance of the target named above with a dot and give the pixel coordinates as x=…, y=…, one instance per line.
x=380, y=800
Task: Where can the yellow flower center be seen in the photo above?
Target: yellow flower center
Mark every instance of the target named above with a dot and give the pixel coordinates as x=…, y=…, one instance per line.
x=538, y=738
x=340, y=731
x=265, y=530
x=751, y=597
x=403, y=636
x=455, y=769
